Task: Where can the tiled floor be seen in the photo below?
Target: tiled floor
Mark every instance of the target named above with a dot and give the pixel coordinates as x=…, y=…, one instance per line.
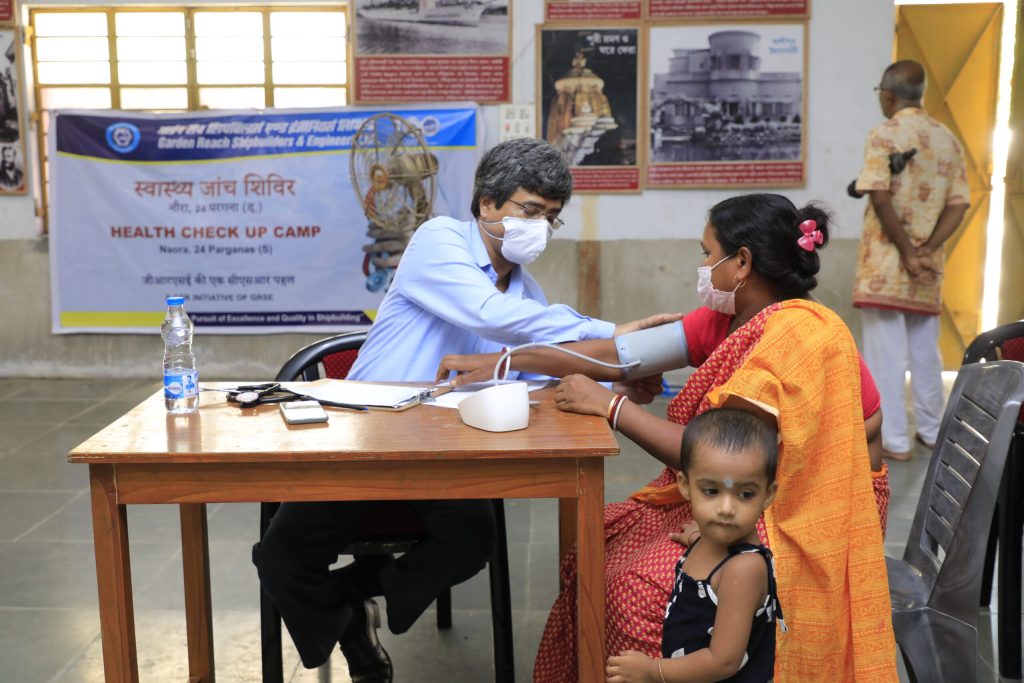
x=49, y=626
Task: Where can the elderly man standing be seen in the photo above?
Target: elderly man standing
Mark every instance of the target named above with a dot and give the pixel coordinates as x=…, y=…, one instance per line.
x=898, y=283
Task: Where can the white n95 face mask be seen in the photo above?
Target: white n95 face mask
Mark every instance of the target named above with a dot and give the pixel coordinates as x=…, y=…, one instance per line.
x=715, y=299
x=525, y=238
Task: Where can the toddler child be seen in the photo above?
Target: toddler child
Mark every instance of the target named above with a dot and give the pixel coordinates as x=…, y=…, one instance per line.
x=720, y=627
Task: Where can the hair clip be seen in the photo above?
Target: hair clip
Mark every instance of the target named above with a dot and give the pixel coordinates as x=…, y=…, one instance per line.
x=811, y=235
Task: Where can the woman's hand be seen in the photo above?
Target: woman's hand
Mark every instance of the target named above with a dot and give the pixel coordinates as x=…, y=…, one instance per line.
x=579, y=394
x=641, y=390
x=632, y=667
x=650, y=321
x=470, y=368
x=689, y=533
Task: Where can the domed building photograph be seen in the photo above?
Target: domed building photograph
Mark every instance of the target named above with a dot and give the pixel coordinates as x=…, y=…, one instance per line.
x=727, y=93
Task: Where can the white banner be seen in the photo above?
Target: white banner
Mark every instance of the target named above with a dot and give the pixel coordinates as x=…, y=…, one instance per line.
x=253, y=217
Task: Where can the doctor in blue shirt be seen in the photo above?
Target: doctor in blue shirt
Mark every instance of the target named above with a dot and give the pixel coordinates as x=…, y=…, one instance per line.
x=460, y=288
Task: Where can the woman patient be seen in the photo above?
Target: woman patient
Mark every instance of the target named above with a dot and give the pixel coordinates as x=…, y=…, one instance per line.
x=761, y=344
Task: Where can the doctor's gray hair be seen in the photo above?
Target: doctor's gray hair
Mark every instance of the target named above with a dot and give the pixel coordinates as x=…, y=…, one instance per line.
x=531, y=164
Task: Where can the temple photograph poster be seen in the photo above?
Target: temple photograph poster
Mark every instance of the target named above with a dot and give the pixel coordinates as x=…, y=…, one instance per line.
x=12, y=143
x=588, y=103
x=727, y=105
x=432, y=50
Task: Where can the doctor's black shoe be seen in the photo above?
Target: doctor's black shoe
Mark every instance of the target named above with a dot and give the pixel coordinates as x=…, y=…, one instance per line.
x=368, y=661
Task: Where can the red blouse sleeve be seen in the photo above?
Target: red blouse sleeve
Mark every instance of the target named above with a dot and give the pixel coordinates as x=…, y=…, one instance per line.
x=705, y=330
x=870, y=399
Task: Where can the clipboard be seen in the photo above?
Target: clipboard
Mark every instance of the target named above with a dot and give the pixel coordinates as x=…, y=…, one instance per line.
x=390, y=397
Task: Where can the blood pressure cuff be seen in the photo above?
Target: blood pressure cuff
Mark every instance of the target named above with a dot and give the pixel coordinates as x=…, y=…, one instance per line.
x=658, y=349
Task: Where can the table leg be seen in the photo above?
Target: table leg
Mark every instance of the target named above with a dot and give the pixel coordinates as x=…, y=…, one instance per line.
x=113, y=578
x=198, y=612
x=566, y=526
x=590, y=570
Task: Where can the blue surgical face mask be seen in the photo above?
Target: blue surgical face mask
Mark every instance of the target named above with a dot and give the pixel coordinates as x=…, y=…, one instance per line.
x=715, y=299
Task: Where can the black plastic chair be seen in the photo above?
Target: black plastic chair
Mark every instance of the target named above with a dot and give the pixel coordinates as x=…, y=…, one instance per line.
x=394, y=530
x=1005, y=342
x=936, y=587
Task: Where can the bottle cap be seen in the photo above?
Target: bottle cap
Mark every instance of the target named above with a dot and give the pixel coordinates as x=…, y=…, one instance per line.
x=175, y=300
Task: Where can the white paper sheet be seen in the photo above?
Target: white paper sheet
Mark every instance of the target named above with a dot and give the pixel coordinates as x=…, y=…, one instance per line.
x=453, y=398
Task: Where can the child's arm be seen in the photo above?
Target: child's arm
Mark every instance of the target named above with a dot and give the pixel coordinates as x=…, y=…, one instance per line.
x=741, y=592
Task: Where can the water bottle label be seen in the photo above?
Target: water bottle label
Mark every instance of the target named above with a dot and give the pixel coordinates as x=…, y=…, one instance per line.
x=181, y=384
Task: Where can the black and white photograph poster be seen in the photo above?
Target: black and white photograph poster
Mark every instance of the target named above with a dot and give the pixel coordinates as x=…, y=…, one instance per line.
x=727, y=105
x=12, y=147
x=588, y=103
x=432, y=50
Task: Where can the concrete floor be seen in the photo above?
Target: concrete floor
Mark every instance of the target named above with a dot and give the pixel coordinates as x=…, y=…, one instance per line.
x=49, y=625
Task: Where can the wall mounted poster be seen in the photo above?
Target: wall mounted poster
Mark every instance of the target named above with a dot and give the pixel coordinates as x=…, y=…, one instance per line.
x=12, y=145
x=728, y=9
x=270, y=221
x=588, y=103
x=432, y=51
x=592, y=10
x=727, y=105
x=6, y=11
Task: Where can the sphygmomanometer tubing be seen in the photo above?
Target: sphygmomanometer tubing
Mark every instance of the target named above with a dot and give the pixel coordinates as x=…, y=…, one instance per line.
x=550, y=362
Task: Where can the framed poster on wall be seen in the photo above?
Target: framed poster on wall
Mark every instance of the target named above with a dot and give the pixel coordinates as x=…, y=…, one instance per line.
x=431, y=50
x=12, y=143
x=588, y=103
x=727, y=105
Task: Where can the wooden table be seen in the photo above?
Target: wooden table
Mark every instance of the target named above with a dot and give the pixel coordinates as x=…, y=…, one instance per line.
x=224, y=454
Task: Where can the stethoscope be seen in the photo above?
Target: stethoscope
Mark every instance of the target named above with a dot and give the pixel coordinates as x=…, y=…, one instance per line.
x=252, y=395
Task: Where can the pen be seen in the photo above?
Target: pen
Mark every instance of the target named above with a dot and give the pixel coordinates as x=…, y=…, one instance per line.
x=336, y=404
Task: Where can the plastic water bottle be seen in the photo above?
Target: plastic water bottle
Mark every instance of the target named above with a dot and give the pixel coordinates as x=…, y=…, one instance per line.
x=181, y=379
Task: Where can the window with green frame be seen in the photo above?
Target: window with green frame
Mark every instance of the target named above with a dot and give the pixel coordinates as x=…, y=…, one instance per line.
x=181, y=59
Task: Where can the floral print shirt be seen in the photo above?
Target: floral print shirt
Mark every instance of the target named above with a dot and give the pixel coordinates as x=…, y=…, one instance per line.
x=934, y=178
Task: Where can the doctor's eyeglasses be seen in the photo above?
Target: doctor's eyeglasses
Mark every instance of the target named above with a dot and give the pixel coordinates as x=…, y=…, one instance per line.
x=536, y=211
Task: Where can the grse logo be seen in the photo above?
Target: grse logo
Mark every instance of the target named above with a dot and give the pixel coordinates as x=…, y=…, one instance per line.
x=122, y=137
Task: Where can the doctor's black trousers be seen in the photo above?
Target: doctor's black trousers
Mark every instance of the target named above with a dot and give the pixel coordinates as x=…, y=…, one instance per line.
x=304, y=539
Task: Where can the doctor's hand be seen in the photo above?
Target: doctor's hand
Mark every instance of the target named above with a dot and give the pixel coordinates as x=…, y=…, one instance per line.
x=469, y=368
x=641, y=390
x=650, y=321
x=579, y=394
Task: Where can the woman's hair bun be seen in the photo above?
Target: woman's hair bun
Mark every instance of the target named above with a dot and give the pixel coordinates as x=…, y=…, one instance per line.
x=769, y=225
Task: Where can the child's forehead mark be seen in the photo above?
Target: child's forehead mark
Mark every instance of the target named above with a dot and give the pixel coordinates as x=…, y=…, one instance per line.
x=728, y=482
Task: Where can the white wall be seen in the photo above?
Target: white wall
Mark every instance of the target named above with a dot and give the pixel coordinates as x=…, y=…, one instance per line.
x=647, y=264
x=849, y=45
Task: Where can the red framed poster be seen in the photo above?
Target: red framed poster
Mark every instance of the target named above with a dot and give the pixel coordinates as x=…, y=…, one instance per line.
x=431, y=50
x=727, y=105
x=588, y=103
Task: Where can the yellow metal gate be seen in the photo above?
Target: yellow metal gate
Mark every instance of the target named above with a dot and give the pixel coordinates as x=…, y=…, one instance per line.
x=959, y=48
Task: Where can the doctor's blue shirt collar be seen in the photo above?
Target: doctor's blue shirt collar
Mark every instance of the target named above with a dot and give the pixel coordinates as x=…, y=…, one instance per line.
x=483, y=259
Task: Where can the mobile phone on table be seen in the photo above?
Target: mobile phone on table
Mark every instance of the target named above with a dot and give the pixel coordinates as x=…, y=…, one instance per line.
x=302, y=412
